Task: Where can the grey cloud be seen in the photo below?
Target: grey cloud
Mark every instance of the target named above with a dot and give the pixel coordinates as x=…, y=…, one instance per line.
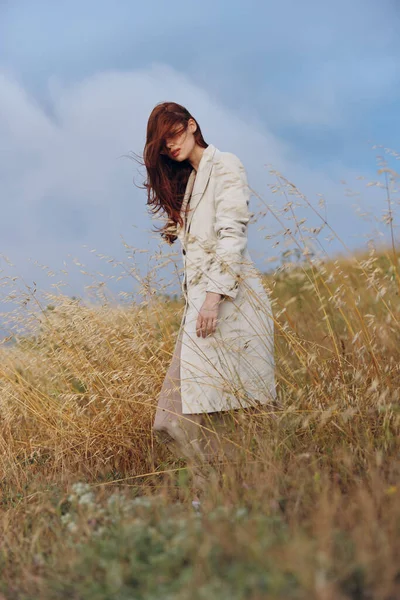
x=64, y=184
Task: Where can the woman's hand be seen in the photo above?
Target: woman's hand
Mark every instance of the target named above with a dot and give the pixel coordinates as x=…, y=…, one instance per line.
x=206, y=322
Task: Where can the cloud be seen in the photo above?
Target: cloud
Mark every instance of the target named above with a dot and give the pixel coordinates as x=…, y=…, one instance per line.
x=302, y=63
x=65, y=184
x=331, y=92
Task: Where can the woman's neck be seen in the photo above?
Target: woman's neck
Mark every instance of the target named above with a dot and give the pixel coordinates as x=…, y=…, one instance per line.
x=195, y=156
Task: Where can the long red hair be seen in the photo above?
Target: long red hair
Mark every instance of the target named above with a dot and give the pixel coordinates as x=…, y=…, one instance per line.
x=166, y=178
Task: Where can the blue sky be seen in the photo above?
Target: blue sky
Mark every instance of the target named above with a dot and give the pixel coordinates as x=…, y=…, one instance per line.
x=307, y=87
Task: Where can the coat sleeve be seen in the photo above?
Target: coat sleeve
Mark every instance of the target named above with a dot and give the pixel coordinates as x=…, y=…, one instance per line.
x=232, y=197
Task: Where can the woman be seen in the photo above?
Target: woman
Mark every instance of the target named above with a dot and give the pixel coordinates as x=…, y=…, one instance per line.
x=223, y=362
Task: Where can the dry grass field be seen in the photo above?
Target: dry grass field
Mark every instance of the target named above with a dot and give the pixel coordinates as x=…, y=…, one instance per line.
x=93, y=507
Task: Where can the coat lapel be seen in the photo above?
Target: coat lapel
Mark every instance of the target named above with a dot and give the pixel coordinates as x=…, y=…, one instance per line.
x=189, y=187
x=200, y=182
x=188, y=191
x=196, y=187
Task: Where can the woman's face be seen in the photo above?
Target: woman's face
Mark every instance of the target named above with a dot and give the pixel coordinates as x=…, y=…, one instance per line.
x=179, y=145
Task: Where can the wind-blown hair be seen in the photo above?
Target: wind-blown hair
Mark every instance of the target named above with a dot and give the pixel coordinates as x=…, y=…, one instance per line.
x=167, y=178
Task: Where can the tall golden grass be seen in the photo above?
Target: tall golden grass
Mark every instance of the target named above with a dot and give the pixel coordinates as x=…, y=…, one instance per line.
x=78, y=392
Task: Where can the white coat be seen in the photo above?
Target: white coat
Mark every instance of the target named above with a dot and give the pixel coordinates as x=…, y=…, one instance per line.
x=235, y=365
